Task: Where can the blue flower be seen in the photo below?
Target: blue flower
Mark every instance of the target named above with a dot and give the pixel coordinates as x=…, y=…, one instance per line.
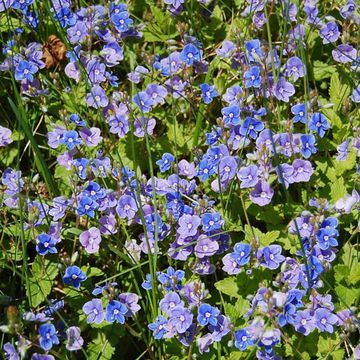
x=48, y=336
x=71, y=139
x=87, y=206
x=121, y=20
x=73, y=276
x=25, y=70
x=146, y=284
x=319, y=124
x=207, y=314
x=211, y=222
x=158, y=327
x=250, y=127
x=327, y=238
x=299, y=110
x=231, y=115
x=253, y=50
x=143, y=101
x=46, y=244
x=171, y=279
x=165, y=162
x=65, y=17
x=252, y=77
x=241, y=254
x=115, y=311
x=189, y=54
x=243, y=339
x=208, y=93
x=308, y=145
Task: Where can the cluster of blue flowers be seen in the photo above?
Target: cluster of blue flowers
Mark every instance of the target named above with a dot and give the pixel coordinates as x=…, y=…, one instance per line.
x=262, y=140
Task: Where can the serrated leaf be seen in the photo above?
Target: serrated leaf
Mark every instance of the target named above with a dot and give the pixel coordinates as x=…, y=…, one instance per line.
x=338, y=189
x=322, y=70
x=329, y=347
x=348, y=296
x=237, y=310
x=339, y=90
x=228, y=286
x=41, y=280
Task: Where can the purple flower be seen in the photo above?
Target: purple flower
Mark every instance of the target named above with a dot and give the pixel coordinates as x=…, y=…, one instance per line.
x=355, y=96
x=343, y=150
x=157, y=93
x=329, y=32
x=74, y=339
x=90, y=240
x=77, y=33
x=91, y=136
x=262, y=194
x=207, y=314
x=188, y=225
x=295, y=68
x=324, y=320
x=344, y=53
x=46, y=244
x=230, y=265
x=97, y=97
x=94, y=311
x=5, y=136
x=227, y=168
x=302, y=171
x=181, y=318
x=37, y=356
x=96, y=71
x=189, y=54
x=186, y=169
x=169, y=302
x=248, y=176
x=205, y=247
x=126, y=207
x=270, y=256
x=304, y=322
x=10, y=352
x=226, y=49
x=115, y=311
x=144, y=125
x=130, y=300
x=48, y=336
x=74, y=276
x=284, y=90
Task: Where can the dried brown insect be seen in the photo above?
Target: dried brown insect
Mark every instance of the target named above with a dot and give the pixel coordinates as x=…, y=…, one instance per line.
x=54, y=51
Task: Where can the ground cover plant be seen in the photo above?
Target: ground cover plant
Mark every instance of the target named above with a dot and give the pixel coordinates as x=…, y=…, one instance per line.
x=179, y=179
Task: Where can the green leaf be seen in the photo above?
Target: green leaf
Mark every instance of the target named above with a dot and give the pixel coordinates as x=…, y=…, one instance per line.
x=329, y=347
x=339, y=90
x=100, y=348
x=338, y=189
x=40, y=282
x=322, y=70
x=348, y=296
x=237, y=310
x=228, y=286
